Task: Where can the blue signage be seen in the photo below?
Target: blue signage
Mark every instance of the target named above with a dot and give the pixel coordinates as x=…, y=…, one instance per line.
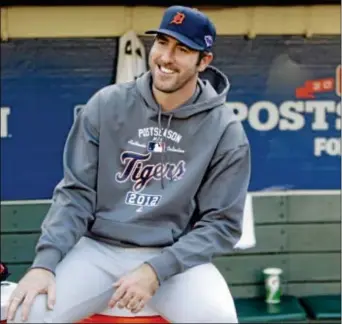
x=285, y=90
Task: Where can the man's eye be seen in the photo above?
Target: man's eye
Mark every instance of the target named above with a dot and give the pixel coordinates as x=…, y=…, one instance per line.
x=183, y=49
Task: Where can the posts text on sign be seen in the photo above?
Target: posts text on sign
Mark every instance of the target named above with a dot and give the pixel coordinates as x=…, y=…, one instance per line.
x=291, y=116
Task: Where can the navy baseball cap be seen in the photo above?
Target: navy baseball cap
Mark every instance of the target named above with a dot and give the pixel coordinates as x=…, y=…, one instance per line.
x=189, y=26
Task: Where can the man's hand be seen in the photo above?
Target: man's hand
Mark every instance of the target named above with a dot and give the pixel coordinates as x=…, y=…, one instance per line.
x=135, y=289
x=35, y=282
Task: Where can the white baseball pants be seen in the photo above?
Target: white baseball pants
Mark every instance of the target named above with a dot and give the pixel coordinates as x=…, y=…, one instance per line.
x=84, y=281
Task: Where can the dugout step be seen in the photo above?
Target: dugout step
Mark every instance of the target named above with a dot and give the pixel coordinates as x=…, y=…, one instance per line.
x=322, y=307
x=256, y=310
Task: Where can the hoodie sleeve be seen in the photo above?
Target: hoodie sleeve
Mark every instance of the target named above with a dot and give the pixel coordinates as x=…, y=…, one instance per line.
x=74, y=198
x=220, y=200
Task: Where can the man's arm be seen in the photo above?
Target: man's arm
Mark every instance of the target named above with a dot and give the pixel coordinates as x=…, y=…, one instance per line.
x=74, y=198
x=221, y=201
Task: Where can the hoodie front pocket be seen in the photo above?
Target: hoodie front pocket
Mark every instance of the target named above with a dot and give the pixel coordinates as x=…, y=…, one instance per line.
x=140, y=235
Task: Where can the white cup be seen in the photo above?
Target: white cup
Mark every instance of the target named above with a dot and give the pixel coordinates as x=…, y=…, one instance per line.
x=272, y=285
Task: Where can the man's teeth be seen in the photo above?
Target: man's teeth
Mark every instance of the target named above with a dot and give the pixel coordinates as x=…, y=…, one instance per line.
x=165, y=70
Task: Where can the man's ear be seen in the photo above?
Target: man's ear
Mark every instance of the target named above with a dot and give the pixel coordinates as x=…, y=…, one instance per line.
x=205, y=61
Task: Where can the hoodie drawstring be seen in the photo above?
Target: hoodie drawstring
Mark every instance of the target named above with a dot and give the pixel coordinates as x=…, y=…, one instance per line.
x=162, y=139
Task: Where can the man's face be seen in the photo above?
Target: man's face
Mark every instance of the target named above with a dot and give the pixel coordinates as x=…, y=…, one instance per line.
x=172, y=64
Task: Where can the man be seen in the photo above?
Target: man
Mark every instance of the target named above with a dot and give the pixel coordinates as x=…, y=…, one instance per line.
x=156, y=173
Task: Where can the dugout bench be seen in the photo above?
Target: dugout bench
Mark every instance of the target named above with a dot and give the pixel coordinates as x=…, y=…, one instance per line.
x=300, y=234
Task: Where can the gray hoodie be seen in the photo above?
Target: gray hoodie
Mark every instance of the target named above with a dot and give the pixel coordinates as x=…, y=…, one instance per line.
x=136, y=176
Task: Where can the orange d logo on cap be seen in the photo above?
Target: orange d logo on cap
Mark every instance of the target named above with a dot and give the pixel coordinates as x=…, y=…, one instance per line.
x=178, y=18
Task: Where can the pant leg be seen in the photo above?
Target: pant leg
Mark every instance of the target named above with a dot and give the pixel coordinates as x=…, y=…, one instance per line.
x=198, y=295
x=83, y=286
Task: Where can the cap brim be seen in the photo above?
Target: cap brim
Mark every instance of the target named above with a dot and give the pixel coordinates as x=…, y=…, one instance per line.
x=181, y=38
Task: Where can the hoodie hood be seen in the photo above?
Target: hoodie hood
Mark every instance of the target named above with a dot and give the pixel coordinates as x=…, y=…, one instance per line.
x=213, y=85
x=214, y=88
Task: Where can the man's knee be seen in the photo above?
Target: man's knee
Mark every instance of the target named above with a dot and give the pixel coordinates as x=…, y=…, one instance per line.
x=37, y=312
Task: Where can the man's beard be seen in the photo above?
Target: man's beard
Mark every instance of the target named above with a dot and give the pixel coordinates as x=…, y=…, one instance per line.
x=176, y=87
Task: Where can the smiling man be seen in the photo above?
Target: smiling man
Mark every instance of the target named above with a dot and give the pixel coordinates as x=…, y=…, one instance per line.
x=156, y=173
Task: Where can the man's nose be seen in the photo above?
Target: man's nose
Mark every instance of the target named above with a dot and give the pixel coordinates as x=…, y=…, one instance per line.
x=167, y=56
